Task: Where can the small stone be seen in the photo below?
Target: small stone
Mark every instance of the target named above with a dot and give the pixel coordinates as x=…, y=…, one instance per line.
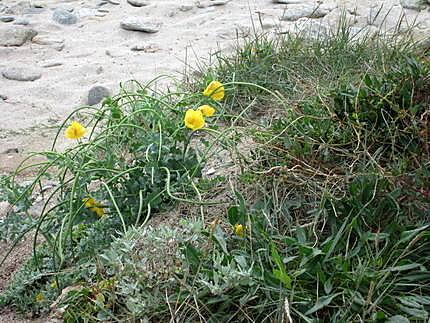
x=288, y=1
x=21, y=74
x=103, y=10
x=99, y=70
x=101, y=3
x=47, y=40
x=211, y=3
x=113, y=2
x=52, y=64
x=137, y=3
x=11, y=151
x=139, y=24
x=7, y=18
x=64, y=17
x=3, y=97
x=33, y=11
x=412, y=4
x=296, y=12
x=145, y=48
x=15, y=35
x=97, y=94
x=185, y=7
x=38, y=5
x=22, y=22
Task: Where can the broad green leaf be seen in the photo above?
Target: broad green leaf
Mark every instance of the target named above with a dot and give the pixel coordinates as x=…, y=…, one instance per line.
x=283, y=277
x=322, y=302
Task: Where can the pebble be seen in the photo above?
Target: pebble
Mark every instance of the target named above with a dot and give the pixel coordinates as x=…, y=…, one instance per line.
x=97, y=93
x=296, y=12
x=47, y=40
x=3, y=97
x=64, y=17
x=185, y=8
x=288, y=1
x=34, y=10
x=101, y=3
x=211, y=3
x=13, y=150
x=140, y=24
x=21, y=74
x=7, y=18
x=22, y=22
x=52, y=64
x=137, y=3
x=412, y=4
x=15, y=35
x=145, y=48
x=113, y=2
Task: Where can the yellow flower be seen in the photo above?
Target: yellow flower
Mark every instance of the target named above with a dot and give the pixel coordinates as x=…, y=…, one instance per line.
x=215, y=90
x=239, y=230
x=207, y=110
x=39, y=298
x=194, y=119
x=75, y=131
x=92, y=205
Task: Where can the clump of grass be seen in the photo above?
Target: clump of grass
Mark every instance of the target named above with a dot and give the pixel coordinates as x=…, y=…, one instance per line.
x=328, y=220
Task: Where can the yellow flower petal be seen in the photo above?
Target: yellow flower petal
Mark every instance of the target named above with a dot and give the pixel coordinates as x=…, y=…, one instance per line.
x=215, y=90
x=239, y=230
x=94, y=206
x=39, y=298
x=207, y=110
x=194, y=119
x=89, y=202
x=99, y=211
x=75, y=131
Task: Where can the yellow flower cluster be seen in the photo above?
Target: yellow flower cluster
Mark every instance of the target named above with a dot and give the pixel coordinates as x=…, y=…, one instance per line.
x=214, y=90
x=239, y=230
x=92, y=205
x=195, y=119
x=75, y=131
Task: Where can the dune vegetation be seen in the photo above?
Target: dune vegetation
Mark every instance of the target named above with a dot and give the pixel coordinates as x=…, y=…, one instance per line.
x=289, y=181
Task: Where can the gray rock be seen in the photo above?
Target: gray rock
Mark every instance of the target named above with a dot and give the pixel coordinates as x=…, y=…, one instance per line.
x=22, y=22
x=413, y=4
x=288, y=1
x=211, y=3
x=101, y=3
x=296, y=12
x=15, y=35
x=64, y=17
x=52, y=64
x=185, y=7
x=138, y=3
x=13, y=150
x=97, y=94
x=21, y=74
x=113, y=2
x=3, y=97
x=140, y=24
x=34, y=10
x=47, y=40
x=7, y=18
x=18, y=8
